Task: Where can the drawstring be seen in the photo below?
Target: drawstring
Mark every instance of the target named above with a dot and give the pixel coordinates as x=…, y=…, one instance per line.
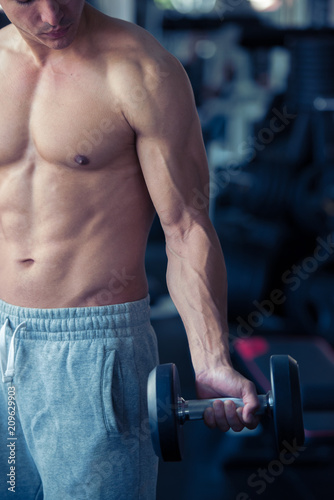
x=8, y=371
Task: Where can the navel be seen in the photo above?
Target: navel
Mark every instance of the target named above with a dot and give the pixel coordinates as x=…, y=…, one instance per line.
x=27, y=262
x=81, y=160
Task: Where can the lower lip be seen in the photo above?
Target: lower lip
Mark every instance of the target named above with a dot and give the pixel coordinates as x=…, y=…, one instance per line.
x=57, y=34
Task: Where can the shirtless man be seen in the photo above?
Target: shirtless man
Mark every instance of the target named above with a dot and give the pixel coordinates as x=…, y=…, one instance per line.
x=98, y=131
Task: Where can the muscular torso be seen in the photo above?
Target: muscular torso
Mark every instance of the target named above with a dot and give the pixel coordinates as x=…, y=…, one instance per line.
x=71, y=234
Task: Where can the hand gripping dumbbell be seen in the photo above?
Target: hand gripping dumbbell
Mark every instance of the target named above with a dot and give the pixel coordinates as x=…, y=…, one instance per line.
x=168, y=411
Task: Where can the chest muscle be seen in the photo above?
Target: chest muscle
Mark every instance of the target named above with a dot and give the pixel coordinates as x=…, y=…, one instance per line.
x=59, y=117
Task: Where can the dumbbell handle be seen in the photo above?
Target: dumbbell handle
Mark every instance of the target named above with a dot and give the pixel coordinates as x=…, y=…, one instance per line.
x=194, y=409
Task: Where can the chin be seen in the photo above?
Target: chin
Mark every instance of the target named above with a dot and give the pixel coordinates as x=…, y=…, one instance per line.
x=60, y=44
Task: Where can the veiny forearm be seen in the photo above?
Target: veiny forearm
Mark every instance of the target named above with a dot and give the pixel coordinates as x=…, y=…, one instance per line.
x=196, y=278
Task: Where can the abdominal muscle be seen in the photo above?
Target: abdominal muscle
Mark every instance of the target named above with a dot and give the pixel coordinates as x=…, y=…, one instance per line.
x=72, y=238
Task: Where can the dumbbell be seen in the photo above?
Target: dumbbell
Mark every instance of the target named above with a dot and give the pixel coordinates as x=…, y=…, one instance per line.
x=168, y=411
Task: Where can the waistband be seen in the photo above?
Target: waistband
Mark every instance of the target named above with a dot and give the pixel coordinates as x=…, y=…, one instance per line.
x=128, y=315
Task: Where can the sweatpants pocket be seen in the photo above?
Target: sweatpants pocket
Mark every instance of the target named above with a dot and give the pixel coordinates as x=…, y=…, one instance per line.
x=112, y=392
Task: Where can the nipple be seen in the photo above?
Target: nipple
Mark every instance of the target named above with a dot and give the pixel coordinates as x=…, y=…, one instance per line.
x=81, y=160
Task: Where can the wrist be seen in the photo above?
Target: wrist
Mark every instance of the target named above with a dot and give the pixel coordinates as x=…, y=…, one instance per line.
x=205, y=359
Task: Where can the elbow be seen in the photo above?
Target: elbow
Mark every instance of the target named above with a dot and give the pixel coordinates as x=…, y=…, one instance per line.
x=183, y=240
x=179, y=223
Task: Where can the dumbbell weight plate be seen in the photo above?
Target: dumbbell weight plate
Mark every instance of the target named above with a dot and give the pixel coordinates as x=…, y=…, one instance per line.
x=287, y=404
x=163, y=391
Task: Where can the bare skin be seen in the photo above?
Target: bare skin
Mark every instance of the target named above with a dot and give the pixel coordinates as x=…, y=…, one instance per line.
x=98, y=131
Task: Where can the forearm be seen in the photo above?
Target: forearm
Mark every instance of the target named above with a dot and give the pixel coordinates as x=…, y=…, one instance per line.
x=196, y=278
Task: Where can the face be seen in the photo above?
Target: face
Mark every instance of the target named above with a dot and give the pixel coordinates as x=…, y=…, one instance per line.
x=52, y=23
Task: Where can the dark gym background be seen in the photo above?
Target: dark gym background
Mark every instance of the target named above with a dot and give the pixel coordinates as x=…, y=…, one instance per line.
x=263, y=77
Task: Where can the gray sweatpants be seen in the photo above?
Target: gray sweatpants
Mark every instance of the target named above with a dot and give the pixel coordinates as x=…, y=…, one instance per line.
x=73, y=412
